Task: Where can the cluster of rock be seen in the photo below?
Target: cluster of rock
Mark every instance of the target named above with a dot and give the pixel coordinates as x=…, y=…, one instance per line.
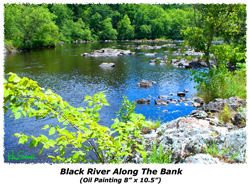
x=189, y=137
x=148, y=47
x=165, y=100
x=183, y=63
x=162, y=60
x=145, y=83
x=108, y=52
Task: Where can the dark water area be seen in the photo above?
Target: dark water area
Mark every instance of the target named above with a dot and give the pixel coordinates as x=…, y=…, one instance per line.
x=72, y=76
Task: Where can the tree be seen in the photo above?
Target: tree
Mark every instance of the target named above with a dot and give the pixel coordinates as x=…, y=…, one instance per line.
x=212, y=19
x=63, y=14
x=107, y=32
x=124, y=28
x=34, y=25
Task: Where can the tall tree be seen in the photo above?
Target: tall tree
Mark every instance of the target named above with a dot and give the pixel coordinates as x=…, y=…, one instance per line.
x=107, y=32
x=213, y=18
x=125, y=30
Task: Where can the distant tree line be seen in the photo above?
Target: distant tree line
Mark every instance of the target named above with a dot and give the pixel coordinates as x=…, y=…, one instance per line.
x=33, y=25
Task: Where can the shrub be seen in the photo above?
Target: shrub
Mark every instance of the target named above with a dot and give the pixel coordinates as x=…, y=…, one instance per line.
x=220, y=83
x=226, y=114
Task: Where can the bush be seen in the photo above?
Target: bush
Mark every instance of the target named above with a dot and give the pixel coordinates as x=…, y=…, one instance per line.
x=219, y=82
x=226, y=114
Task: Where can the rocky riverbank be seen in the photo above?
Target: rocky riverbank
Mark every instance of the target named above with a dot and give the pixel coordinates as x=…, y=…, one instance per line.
x=202, y=136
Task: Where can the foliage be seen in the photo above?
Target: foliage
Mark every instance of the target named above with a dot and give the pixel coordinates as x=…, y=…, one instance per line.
x=126, y=110
x=226, y=114
x=124, y=28
x=158, y=156
x=212, y=149
x=25, y=98
x=29, y=26
x=210, y=20
x=68, y=22
x=220, y=83
x=107, y=32
x=153, y=124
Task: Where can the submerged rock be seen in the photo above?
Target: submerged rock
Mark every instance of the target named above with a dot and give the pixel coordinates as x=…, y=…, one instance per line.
x=105, y=65
x=142, y=101
x=161, y=102
x=145, y=83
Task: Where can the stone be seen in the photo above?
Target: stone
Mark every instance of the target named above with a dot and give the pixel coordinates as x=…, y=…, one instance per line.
x=145, y=84
x=198, y=114
x=142, y=101
x=103, y=65
x=162, y=96
x=181, y=94
x=202, y=159
x=161, y=102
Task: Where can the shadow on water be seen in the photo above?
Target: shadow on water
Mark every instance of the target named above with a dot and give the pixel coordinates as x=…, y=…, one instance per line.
x=73, y=76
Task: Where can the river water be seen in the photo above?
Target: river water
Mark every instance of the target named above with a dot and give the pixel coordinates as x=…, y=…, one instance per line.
x=72, y=76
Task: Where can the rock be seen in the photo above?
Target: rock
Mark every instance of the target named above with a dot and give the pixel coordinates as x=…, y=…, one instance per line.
x=108, y=52
x=164, y=111
x=199, y=100
x=142, y=101
x=165, y=58
x=145, y=84
x=239, y=119
x=198, y=114
x=161, y=102
x=150, y=54
x=218, y=104
x=162, y=96
x=181, y=94
x=105, y=65
x=195, y=104
x=186, y=90
x=171, y=94
x=202, y=159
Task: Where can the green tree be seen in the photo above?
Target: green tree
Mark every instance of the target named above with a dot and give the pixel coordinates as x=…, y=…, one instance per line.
x=124, y=28
x=63, y=14
x=212, y=19
x=34, y=25
x=107, y=32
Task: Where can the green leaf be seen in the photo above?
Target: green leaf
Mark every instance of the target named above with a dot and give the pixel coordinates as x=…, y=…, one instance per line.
x=46, y=127
x=62, y=152
x=11, y=78
x=18, y=115
x=16, y=79
x=75, y=156
x=52, y=131
x=41, y=151
x=33, y=143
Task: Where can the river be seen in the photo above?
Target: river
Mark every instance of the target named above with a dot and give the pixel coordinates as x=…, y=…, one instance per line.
x=72, y=76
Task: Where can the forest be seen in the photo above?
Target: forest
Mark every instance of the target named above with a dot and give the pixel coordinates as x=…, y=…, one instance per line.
x=31, y=26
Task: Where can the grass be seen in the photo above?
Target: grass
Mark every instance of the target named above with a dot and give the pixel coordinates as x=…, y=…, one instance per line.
x=158, y=156
x=226, y=114
x=212, y=149
x=222, y=85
